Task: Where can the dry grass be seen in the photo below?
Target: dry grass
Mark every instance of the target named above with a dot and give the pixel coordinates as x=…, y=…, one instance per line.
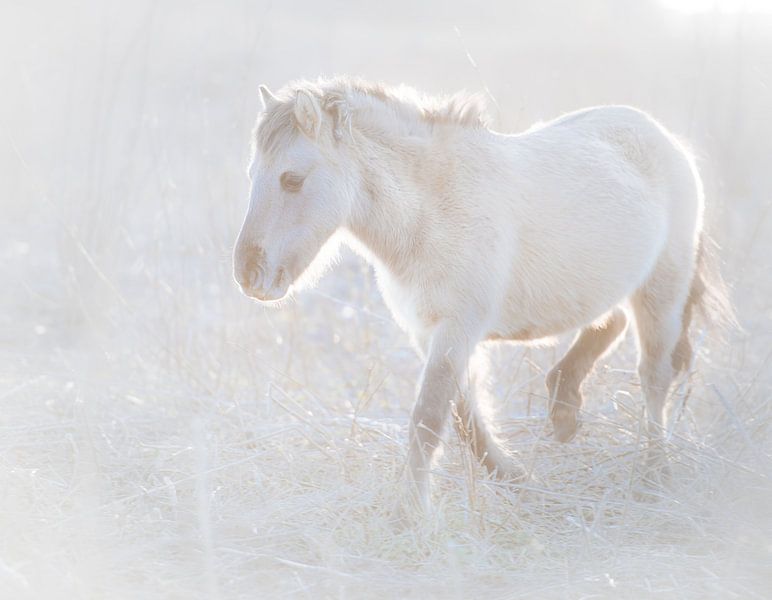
x=261, y=453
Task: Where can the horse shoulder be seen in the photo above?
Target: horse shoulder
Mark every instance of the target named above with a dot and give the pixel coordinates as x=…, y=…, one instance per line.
x=452, y=277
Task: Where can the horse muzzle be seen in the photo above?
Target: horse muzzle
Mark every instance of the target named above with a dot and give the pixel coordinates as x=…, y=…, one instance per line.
x=267, y=288
x=263, y=284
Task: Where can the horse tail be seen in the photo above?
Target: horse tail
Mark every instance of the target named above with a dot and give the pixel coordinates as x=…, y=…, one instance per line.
x=709, y=296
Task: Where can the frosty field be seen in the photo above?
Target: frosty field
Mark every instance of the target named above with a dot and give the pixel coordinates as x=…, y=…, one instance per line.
x=161, y=436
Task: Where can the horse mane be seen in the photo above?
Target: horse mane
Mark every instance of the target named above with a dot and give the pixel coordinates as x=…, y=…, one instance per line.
x=343, y=98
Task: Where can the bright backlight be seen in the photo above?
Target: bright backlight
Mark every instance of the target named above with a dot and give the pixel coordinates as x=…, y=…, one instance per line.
x=721, y=6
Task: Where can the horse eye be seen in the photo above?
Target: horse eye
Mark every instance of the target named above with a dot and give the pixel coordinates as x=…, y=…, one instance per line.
x=291, y=182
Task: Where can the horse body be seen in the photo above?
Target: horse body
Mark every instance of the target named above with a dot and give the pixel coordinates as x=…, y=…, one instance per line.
x=590, y=222
x=547, y=231
x=481, y=236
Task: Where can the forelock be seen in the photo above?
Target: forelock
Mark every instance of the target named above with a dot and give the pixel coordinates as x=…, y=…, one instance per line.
x=276, y=128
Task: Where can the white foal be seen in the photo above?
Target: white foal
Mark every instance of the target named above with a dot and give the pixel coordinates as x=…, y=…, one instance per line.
x=477, y=236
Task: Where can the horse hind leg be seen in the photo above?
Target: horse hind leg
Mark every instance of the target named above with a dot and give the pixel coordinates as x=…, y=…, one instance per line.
x=682, y=354
x=662, y=315
x=565, y=378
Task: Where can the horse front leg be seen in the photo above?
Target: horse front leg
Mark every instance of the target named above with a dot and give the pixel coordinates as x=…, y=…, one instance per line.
x=444, y=377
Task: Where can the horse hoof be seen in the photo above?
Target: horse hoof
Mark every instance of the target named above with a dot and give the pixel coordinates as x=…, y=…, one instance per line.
x=564, y=423
x=510, y=474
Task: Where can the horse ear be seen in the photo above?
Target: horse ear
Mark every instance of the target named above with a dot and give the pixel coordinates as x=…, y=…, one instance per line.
x=308, y=113
x=267, y=97
x=339, y=109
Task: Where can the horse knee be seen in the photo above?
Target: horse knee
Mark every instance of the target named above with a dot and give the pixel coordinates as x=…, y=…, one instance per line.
x=682, y=354
x=426, y=427
x=565, y=400
x=591, y=344
x=616, y=324
x=656, y=377
x=560, y=380
x=656, y=374
x=564, y=420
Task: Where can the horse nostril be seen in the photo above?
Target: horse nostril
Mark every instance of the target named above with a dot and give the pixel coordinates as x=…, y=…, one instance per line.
x=248, y=264
x=257, y=253
x=256, y=276
x=279, y=277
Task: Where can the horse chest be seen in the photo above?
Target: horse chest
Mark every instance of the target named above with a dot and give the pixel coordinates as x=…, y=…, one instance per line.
x=412, y=308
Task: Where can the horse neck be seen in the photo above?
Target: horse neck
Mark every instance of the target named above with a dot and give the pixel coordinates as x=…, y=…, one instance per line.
x=394, y=205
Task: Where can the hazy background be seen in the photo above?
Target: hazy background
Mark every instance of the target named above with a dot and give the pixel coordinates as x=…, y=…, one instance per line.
x=162, y=436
